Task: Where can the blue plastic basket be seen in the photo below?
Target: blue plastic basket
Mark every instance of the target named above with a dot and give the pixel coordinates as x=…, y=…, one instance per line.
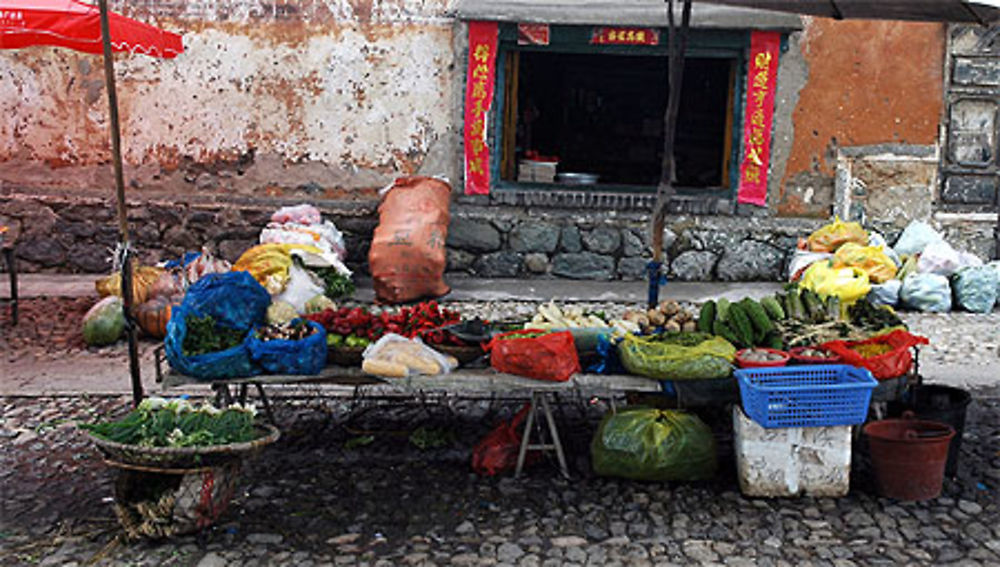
x=806, y=396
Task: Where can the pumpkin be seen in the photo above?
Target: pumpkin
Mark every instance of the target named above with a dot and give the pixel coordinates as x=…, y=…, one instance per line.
x=154, y=314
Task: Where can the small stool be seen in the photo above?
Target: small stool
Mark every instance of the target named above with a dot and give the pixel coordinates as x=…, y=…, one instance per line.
x=540, y=399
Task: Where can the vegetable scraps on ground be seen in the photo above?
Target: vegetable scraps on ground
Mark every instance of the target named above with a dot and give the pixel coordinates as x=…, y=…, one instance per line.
x=157, y=422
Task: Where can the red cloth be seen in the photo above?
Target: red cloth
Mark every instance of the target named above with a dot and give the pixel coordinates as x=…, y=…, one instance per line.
x=75, y=25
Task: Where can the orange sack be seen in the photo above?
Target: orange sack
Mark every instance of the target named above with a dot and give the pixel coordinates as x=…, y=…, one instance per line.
x=407, y=256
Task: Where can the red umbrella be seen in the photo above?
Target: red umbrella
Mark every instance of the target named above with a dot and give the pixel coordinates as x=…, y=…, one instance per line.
x=93, y=29
x=76, y=25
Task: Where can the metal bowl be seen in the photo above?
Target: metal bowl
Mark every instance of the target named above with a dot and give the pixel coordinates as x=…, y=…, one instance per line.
x=571, y=178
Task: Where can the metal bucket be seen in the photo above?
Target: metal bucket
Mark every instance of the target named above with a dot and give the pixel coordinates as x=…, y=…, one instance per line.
x=909, y=456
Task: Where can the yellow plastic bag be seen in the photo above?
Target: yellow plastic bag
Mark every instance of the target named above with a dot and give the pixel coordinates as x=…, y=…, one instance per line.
x=836, y=234
x=849, y=284
x=269, y=264
x=872, y=259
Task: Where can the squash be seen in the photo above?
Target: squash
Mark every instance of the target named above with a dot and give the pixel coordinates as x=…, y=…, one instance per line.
x=154, y=314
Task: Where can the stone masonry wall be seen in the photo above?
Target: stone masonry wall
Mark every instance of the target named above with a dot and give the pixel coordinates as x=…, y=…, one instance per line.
x=72, y=235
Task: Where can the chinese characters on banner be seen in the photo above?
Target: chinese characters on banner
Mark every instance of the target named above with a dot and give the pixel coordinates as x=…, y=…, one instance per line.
x=762, y=74
x=478, y=96
x=625, y=36
x=532, y=34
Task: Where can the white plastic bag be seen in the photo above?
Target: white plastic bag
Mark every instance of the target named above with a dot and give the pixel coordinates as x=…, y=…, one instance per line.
x=395, y=356
x=324, y=236
x=916, y=236
x=802, y=259
x=300, y=214
x=968, y=260
x=205, y=264
x=939, y=258
x=302, y=286
x=885, y=294
x=926, y=292
x=996, y=267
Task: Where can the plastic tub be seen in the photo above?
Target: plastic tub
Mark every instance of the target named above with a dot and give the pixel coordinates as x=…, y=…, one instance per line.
x=743, y=363
x=943, y=404
x=909, y=456
x=799, y=358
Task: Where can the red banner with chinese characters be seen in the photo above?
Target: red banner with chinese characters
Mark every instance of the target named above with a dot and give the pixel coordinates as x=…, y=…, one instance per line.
x=478, y=97
x=532, y=34
x=762, y=75
x=625, y=36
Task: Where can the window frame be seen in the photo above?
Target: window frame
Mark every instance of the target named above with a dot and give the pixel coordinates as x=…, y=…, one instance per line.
x=706, y=43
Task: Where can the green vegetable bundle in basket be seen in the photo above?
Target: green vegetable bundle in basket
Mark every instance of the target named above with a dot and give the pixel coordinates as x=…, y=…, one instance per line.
x=677, y=356
x=178, y=465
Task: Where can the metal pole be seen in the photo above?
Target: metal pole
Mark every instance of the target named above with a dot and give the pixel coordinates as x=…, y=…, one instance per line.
x=116, y=155
x=665, y=189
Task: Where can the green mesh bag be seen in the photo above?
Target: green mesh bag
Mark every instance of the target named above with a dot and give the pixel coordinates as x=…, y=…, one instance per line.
x=664, y=359
x=655, y=445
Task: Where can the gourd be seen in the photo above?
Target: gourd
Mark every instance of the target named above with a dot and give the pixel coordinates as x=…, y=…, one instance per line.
x=154, y=314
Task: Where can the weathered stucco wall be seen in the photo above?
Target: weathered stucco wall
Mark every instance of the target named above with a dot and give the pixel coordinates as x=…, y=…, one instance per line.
x=866, y=83
x=325, y=96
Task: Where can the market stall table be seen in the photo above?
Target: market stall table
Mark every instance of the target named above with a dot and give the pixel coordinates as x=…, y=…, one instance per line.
x=460, y=382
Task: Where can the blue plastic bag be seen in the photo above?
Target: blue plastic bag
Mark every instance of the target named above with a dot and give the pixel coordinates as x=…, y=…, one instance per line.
x=926, y=292
x=230, y=363
x=607, y=352
x=236, y=301
x=975, y=288
x=306, y=356
x=233, y=299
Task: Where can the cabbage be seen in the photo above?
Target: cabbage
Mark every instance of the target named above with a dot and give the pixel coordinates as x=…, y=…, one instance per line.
x=319, y=303
x=280, y=312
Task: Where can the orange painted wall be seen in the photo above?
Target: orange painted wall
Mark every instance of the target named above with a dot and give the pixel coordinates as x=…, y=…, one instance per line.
x=868, y=83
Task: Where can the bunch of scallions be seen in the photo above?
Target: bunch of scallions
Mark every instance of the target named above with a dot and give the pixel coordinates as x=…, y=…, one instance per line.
x=158, y=422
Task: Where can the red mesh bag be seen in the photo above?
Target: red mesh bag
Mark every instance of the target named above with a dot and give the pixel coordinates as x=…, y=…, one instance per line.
x=891, y=364
x=407, y=256
x=549, y=356
x=497, y=452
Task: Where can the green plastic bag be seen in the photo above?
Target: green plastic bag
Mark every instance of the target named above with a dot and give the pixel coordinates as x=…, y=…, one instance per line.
x=653, y=444
x=664, y=360
x=104, y=323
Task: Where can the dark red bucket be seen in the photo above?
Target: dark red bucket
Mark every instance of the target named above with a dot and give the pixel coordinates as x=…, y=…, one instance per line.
x=909, y=456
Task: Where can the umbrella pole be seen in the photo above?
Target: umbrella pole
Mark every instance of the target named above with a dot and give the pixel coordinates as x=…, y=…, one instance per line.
x=665, y=189
x=116, y=154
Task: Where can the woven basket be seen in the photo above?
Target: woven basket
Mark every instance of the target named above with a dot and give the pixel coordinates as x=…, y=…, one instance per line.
x=185, y=457
x=162, y=503
x=345, y=356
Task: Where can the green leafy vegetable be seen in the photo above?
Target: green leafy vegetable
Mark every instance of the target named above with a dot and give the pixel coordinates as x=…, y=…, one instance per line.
x=177, y=423
x=204, y=336
x=335, y=284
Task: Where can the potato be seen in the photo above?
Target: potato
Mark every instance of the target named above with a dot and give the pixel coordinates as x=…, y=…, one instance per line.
x=669, y=307
x=672, y=326
x=689, y=327
x=656, y=318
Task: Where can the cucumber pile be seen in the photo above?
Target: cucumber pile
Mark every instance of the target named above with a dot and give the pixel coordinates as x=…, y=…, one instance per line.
x=793, y=317
x=750, y=323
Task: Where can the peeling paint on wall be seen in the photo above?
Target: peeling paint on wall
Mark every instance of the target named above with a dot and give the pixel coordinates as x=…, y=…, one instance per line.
x=347, y=93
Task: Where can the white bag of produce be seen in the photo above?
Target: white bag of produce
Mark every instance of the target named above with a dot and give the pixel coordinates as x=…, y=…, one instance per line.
x=916, y=237
x=976, y=288
x=324, y=236
x=939, y=258
x=968, y=260
x=802, y=259
x=299, y=214
x=926, y=292
x=395, y=356
x=104, y=323
x=302, y=286
x=876, y=239
x=885, y=294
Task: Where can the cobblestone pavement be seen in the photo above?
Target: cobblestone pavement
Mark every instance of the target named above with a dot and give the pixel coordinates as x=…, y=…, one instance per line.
x=315, y=499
